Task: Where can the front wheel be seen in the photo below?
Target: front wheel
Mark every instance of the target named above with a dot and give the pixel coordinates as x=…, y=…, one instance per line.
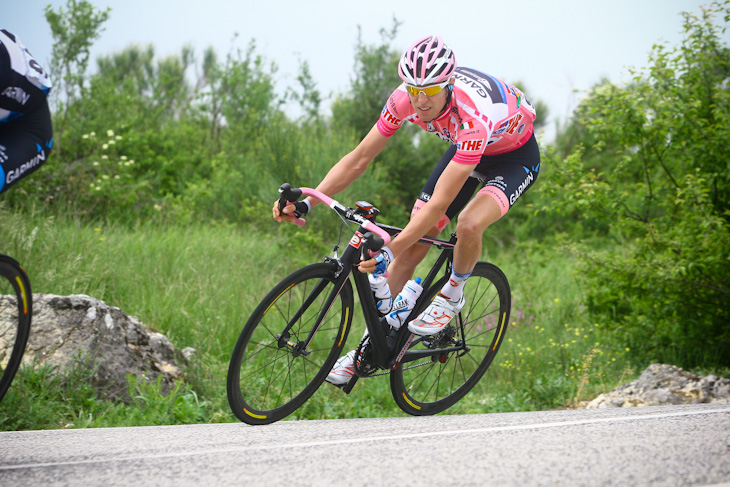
x=470, y=342
x=289, y=344
x=16, y=309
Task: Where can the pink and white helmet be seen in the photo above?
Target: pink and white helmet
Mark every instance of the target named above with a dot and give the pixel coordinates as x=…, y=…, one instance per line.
x=428, y=61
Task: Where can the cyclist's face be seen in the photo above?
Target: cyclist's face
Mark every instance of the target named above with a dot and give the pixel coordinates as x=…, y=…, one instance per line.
x=428, y=107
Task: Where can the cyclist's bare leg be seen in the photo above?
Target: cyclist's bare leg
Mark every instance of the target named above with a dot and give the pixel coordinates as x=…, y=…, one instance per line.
x=403, y=267
x=473, y=221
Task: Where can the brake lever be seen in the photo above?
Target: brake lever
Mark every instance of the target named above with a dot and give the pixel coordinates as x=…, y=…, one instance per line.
x=288, y=196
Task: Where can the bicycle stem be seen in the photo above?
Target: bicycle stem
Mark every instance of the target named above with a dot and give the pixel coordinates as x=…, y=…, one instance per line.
x=366, y=224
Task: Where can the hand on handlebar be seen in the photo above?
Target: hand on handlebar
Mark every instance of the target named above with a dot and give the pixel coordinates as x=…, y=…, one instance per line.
x=378, y=264
x=291, y=212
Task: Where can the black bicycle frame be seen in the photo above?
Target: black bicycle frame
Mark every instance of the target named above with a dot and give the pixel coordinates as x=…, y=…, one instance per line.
x=383, y=356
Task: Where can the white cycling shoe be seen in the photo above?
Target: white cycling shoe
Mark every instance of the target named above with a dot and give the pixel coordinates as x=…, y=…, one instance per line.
x=439, y=313
x=343, y=370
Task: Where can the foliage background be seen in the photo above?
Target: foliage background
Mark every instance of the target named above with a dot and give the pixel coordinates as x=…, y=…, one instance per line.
x=157, y=200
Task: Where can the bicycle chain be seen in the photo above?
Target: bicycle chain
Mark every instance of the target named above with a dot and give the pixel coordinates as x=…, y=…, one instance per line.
x=404, y=368
x=365, y=369
x=362, y=367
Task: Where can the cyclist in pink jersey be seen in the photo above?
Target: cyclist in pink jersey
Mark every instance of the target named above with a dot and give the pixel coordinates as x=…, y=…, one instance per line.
x=490, y=126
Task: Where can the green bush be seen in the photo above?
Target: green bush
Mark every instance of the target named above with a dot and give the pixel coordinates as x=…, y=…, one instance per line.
x=663, y=275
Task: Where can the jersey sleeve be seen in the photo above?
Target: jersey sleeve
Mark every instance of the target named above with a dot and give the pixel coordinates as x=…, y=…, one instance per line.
x=396, y=109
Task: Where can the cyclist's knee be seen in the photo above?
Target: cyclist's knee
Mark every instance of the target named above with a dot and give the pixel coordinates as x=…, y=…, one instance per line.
x=468, y=230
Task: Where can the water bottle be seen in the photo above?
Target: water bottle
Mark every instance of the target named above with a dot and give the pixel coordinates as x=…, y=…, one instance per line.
x=404, y=303
x=383, y=298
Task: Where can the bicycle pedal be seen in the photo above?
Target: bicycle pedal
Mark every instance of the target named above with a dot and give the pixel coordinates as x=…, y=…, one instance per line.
x=365, y=370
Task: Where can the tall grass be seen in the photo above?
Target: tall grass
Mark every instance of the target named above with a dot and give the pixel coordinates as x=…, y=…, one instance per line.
x=198, y=284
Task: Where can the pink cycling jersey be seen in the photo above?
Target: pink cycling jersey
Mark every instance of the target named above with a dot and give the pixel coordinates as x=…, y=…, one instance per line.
x=485, y=116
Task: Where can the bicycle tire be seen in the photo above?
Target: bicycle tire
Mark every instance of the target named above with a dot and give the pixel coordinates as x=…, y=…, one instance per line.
x=433, y=384
x=16, y=310
x=267, y=378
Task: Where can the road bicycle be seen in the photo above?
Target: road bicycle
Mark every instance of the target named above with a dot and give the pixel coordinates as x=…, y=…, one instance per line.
x=296, y=333
x=16, y=309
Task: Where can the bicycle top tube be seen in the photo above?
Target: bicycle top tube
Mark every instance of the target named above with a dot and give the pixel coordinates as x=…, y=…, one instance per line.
x=435, y=241
x=345, y=211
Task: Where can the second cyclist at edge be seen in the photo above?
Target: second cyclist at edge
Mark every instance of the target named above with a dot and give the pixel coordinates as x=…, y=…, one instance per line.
x=493, y=149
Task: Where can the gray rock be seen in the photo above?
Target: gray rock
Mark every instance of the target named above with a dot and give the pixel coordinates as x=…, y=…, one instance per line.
x=662, y=384
x=77, y=330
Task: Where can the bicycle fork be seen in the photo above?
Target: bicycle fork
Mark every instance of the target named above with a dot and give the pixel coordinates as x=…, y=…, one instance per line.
x=301, y=348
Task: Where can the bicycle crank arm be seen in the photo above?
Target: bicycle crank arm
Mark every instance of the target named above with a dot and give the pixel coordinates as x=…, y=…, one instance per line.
x=347, y=387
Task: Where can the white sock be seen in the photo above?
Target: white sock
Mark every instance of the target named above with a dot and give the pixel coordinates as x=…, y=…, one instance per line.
x=454, y=289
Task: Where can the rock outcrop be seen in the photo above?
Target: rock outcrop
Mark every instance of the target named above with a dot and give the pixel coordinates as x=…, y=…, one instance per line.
x=77, y=330
x=662, y=384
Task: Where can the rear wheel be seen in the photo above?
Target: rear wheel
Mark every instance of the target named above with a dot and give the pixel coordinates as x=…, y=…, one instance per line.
x=289, y=344
x=432, y=384
x=16, y=309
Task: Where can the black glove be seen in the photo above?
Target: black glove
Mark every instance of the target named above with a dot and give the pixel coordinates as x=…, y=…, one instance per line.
x=301, y=208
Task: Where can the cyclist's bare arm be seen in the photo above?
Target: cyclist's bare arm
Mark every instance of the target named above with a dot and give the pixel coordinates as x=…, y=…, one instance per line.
x=447, y=187
x=342, y=174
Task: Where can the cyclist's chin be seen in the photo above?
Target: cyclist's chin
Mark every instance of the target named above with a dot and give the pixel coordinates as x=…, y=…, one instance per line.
x=427, y=116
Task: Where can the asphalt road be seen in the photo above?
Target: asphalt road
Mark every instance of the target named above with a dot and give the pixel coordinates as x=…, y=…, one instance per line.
x=662, y=446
